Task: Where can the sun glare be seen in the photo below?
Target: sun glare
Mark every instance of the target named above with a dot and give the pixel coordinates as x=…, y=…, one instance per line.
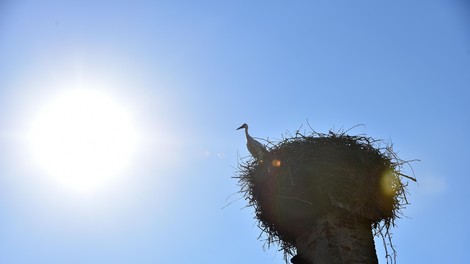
x=83, y=139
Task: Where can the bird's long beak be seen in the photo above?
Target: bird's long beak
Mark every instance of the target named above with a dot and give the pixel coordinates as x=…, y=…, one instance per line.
x=240, y=127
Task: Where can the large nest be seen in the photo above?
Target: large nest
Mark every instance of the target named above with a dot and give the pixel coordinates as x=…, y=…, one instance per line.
x=306, y=176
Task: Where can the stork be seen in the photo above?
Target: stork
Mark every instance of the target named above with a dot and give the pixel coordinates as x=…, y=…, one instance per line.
x=257, y=150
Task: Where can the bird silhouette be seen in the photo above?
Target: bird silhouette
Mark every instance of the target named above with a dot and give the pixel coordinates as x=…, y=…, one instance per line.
x=256, y=149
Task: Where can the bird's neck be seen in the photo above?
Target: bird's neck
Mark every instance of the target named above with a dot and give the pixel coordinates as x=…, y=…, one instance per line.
x=246, y=132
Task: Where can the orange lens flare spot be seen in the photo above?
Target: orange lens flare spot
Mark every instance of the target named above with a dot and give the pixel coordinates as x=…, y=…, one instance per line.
x=276, y=163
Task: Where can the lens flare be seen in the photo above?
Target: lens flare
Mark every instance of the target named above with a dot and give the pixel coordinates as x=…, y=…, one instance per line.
x=389, y=183
x=276, y=163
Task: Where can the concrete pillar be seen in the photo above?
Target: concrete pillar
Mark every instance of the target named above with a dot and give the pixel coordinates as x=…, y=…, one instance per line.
x=336, y=238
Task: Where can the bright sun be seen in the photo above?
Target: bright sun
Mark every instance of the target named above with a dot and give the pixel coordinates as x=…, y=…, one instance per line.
x=83, y=139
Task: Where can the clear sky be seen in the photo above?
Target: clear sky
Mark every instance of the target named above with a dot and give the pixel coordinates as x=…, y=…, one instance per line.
x=186, y=74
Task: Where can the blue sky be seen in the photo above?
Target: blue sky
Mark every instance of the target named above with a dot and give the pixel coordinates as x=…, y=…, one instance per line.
x=190, y=73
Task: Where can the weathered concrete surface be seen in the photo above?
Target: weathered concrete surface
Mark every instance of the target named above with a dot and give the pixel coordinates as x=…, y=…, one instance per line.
x=337, y=239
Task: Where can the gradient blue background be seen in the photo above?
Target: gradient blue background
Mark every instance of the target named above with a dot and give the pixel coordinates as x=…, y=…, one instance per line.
x=192, y=72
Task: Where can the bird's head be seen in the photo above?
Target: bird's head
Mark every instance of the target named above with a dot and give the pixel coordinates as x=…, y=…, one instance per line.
x=243, y=126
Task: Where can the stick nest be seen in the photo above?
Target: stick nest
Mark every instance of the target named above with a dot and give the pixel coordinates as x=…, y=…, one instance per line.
x=306, y=176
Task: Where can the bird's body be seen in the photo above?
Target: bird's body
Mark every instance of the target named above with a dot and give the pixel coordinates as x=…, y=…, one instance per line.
x=256, y=149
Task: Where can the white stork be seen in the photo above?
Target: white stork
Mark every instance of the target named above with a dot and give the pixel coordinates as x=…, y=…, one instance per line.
x=257, y=150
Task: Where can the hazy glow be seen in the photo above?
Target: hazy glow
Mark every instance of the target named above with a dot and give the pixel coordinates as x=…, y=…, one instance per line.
x=83, y=139
x=276, y=163
x=389, y=183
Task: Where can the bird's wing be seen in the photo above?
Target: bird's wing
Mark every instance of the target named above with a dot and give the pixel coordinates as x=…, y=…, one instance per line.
x=259, y=145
